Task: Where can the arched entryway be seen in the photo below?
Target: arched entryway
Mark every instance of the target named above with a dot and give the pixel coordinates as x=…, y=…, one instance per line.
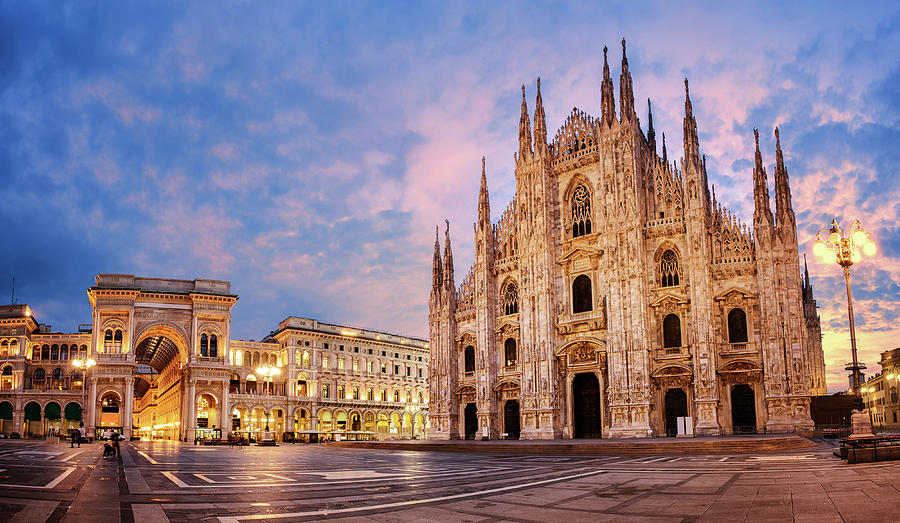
x=208, y=425
x=471, y=420
x=110, y=406
x=511, y=419
x=586, y=407
x=743, y=409
x=676, y=407
x=6, y=417
x=52, y=418
x=33, y=420
x=355, y=422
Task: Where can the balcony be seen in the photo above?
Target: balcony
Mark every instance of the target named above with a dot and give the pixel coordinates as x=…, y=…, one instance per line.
x=672, y=353
x=737, y=349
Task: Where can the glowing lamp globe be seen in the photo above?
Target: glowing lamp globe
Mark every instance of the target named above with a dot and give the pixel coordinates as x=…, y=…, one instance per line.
x=819, y=248
x=830, y=257
x=855, y=256
x=870, y=249
x=859, y=237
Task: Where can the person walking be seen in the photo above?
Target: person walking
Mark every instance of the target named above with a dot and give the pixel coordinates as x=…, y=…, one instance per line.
x=115, y=438
x=73, y=436
x=81, y=433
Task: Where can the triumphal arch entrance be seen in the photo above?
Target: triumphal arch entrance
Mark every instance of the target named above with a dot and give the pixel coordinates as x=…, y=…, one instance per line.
x=160, y=348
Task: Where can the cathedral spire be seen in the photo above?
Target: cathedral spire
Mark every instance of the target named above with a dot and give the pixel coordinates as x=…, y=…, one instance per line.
x=805, y=272
x=540, y=123
x=484, y=201
x=691, y=142
x=437, y=270
x=783, y=208
x=607, y=100
x=665, y=156
x=449, y=282
x=651, y=134
x=626, y=91
x=524, y=130
x=762, y=213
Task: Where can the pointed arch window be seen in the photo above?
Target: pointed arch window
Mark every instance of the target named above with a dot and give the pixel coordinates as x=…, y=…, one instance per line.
x=737, y=326
x=470, y=359
x=510, y=299
x=582, y=300
x=581, y=211
x=672, y=331
x=509, y=349
x=668, y=269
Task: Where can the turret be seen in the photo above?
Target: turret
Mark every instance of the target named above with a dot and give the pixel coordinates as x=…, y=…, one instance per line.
x=437, y=269
x=762, y=213
x=651, y=134
x=626, y=92
x=784, y=212
x=449, y=281
x=524, y=131
x=607, y=100
x=540, y=124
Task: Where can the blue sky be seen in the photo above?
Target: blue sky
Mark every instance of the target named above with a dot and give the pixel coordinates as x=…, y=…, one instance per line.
x=305, y=153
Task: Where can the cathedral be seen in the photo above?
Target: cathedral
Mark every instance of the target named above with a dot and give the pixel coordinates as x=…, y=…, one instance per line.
x=615, y=297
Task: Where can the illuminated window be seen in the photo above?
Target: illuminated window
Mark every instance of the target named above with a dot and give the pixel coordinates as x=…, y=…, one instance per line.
x=324, y=391
x=356, y=393
x=383, y=394
x=369, y=366
x=305, y=359
x=324, y=362
x=340, y=363
x=340, y=393
x=370, y=394
x=396, y=396
x=355, y=366
x=509, y=348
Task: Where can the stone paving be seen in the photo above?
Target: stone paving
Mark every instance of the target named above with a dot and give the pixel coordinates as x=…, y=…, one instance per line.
x=180, y=482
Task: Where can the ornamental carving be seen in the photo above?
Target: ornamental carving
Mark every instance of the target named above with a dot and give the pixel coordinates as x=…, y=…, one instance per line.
x=583, y=354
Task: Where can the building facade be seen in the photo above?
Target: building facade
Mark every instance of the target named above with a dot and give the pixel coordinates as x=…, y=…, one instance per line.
x=615, y=294
x=880, y=396
x=167, y=368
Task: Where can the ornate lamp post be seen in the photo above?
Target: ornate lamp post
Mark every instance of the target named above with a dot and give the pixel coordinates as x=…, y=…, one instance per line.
x=268, y=372
x=84, y=363
x=845, y=251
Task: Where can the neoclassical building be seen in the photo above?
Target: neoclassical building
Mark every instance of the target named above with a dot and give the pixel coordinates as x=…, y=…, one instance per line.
x=166, y=367
x=615, y=294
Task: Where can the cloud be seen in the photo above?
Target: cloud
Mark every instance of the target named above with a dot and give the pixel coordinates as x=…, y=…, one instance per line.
x=306, y=153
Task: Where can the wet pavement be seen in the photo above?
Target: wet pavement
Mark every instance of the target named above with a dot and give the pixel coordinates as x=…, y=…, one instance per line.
x=180, y=482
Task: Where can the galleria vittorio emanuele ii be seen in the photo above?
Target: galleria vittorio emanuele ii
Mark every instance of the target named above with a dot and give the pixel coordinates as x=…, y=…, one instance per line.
x=156, y=362
x=616, y=297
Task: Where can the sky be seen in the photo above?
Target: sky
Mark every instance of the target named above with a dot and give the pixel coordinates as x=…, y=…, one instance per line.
x=305, y=151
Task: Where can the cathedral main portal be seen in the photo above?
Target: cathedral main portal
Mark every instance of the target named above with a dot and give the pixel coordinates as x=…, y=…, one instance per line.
x=586, y=406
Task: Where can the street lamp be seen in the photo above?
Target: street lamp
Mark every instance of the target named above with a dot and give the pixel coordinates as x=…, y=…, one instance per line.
x=84, y=363
x=268, y=372
x=845, y=251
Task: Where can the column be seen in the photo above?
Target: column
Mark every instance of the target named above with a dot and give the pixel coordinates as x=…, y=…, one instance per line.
x=604, y=420
x=570, y=406
x=190, y=422
x=128, y=422
x=92, y=406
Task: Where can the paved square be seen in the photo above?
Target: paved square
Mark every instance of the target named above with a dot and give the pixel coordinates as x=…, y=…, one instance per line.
x=179, y=482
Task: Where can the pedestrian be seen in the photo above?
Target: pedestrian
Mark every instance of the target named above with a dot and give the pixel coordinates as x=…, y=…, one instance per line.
x=81, y=434
x=116, y=445
x=73, y=436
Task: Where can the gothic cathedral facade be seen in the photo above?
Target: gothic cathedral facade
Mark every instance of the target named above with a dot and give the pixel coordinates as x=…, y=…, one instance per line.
x=616, y=297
